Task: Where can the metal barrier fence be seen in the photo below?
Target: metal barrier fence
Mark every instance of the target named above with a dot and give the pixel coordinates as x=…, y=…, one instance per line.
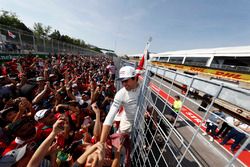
x=159, y=142
x=25, y=42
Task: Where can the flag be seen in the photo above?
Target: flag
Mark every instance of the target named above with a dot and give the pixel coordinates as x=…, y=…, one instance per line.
x=143, y=62
x=10, y=34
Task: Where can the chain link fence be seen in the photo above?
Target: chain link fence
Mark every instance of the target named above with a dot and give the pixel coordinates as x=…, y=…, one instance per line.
x=17, y=41
x=158, y=141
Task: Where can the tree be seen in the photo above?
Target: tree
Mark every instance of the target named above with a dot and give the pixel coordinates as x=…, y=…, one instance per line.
x=66, y=38
x=56, y=35
x=41, y=30
x=47, y=30
x=11, y=19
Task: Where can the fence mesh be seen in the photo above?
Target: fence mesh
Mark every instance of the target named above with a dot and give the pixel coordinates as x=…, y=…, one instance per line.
x=26, y=42
x=159, y=141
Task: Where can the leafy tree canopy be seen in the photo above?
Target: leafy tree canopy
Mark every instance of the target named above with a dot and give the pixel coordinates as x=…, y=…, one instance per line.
x=40, y=30
x=11, y=19
x=55, y=35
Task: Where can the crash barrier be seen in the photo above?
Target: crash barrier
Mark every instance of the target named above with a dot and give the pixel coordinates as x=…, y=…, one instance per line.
x=17, y=41
x=159, y=142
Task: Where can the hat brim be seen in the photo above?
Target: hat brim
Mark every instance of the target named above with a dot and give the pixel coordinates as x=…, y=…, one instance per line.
x=124, y=79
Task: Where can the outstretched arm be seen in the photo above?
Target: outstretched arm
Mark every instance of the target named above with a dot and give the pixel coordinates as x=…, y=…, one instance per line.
x=43, y=148
x=97, y=127
x=39, y=97
x=109, y=120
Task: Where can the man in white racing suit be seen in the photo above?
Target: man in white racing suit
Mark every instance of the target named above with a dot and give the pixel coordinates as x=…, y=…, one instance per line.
x=126, y=97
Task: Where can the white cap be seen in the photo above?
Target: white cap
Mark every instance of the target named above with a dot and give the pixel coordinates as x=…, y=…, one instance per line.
x=51, y=75
x=39, y=79
x=126, y=72
x=74, y=85
x=13, y=156
x=40, y=114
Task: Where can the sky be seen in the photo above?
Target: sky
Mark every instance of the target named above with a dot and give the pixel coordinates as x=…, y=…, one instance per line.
x=126, y=25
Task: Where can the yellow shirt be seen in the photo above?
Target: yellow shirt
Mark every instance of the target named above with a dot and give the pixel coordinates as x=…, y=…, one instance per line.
x=177, y=105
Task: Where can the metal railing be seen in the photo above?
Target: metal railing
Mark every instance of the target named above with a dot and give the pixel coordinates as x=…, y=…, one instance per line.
x=159, y=142
x=27, y=42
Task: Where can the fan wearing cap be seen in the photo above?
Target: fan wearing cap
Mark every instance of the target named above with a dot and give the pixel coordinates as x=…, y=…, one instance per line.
x=45, y=119
x=8, y=114
x=52, y=78
x=13, y=156
x=44, y=149
x=76, y=94
x=20, y=107
x=126, y=97
x=25, y=132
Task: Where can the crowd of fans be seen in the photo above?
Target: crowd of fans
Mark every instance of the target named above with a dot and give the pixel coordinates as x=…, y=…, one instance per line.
x=52, y=111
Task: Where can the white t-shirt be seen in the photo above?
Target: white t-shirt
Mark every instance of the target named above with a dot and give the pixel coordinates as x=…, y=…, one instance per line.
x=243, y=126
x=230, y=120
x=78, y=97
x=127, y=99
